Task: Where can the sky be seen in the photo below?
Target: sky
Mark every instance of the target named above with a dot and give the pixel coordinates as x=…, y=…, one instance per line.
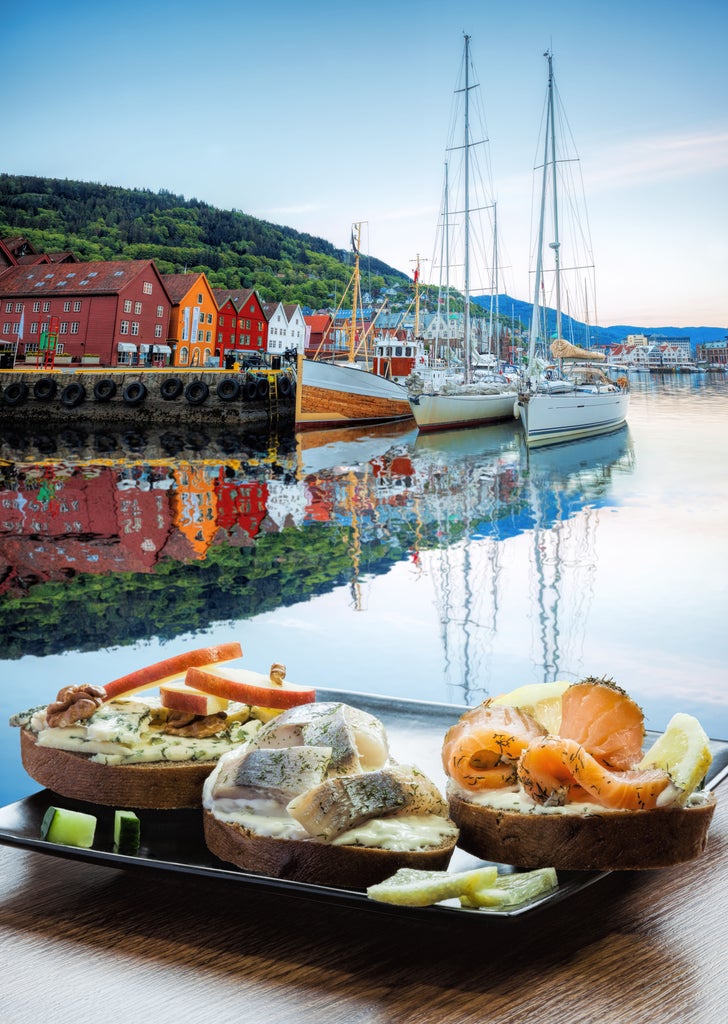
x=319, y=115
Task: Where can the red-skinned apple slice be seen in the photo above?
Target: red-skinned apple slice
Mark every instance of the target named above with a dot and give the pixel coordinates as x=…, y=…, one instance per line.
x=180, y=697
x=249, y=687
x=171, y=668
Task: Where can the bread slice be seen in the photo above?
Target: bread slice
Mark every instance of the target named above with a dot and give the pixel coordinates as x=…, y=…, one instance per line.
x=598, y=841
x=304, y=860
x=157, y=785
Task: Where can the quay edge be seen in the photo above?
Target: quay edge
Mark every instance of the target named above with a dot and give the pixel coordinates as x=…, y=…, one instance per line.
x=100, y=395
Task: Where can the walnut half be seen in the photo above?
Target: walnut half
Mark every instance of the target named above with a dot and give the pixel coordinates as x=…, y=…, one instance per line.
x=74, y=704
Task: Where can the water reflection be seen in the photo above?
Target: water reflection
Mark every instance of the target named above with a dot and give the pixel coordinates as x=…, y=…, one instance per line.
x=231, y=525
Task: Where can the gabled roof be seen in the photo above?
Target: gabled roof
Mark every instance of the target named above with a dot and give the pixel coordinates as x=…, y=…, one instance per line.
x=238, y=296
x=269, y=308
x=290, y=309
x=102, y=278
x=178, y=285
x=318, y=321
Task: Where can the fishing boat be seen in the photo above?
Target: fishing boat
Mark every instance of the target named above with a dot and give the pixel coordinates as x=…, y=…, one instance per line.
x=337, y=392
x=441, y=400
x=575, y=398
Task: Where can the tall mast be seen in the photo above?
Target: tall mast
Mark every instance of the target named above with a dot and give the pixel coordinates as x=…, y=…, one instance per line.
x=466, y=318
x=556, y=243
x=356, y=293
x=535, y=318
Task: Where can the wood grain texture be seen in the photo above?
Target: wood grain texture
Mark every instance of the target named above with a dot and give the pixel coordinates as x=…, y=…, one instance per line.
x=81, y=943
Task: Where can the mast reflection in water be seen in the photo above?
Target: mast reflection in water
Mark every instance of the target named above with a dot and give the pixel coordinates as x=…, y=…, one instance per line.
x=226, y=527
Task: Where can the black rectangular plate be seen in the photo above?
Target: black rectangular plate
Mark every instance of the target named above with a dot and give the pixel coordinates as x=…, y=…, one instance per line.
x=173, y=841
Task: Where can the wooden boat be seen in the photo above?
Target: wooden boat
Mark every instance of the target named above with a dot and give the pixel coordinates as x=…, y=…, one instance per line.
x=347, y=391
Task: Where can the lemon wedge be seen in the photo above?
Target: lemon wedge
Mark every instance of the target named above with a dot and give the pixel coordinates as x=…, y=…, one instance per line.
x=682, y=751
x=540, y=700
x=410, y=887
x=512, y=890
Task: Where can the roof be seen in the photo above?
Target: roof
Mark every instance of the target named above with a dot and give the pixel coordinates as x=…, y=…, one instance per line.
x=178, y=285
x=238, y=296
x=102, y=278
x=318, y=321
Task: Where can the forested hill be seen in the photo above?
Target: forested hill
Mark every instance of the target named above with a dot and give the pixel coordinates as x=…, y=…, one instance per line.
x=103, y=222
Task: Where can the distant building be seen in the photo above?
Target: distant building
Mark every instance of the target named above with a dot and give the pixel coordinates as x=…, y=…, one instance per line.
x=242, y=326
x=193, y=320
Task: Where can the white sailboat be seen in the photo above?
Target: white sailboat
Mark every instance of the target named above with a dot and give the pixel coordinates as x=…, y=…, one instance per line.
x=575, y=399
x=444, y=402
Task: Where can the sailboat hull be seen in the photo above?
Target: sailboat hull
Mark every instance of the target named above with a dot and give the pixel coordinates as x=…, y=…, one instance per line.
x=447, y=412
x=551, y=418
x=340, y=394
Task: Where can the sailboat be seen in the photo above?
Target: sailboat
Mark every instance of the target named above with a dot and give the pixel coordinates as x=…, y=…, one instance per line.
x=576, y=398
x=444, y=401
x=347, y=391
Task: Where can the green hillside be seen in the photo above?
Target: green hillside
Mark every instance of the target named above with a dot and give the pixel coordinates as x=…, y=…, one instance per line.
x=102, y=222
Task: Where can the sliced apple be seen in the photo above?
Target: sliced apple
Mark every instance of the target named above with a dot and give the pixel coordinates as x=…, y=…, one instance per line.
x=249, y=687
x=180, y=697
x=171, y=669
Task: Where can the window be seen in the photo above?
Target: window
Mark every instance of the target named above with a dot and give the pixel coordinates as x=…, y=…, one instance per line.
x=46, y=307
x=34, y=327
x=6, y=328
x=158, y=331
x=8, y=307
x=77, y=306
x=147, y=288
x=135, y=327
x=199, y=299
x=160, y=310
x=18, y=307
x=127, y=305
x=36, y=307
x=209, y=318
x=66, y=307
x=74, y=327
x=247, y=325
x=208, y=336
x=184, y=356
x=64, y=327
x=199, y=335
x=137, y=308
x=219, y=337
x=124, y=327
x=221, y=321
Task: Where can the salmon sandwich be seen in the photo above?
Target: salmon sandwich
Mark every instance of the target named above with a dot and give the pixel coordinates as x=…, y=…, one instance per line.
x=315, y=797
x=556, y=775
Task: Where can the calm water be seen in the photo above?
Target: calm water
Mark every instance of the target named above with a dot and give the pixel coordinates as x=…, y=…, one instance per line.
x=442, y=568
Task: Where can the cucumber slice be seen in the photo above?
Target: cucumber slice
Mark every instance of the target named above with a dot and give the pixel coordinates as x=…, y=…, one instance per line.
x=512, y=890
x=126, y=832
x=68, y=828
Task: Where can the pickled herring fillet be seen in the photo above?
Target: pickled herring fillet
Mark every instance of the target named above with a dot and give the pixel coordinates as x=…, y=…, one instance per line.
x=357, y=739
x=273, y=774
x=342, y=803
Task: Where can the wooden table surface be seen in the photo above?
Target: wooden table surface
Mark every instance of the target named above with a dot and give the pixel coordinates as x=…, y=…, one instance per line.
x=82, y=943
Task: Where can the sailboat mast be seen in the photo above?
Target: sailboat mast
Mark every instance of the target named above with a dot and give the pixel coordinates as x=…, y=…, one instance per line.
x=556, y=243
x=536, y=319
x=466, y=318
x=356, y=292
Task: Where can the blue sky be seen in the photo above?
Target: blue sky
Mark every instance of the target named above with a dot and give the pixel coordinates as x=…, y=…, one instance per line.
x=319, y=115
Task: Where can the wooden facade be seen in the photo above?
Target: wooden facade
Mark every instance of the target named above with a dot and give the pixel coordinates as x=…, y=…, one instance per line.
x=242, y=326
x=193, y=319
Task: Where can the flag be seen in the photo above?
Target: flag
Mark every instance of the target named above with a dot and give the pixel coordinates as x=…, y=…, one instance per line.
x=21, y=325
x=353, y=242
x=417, y=274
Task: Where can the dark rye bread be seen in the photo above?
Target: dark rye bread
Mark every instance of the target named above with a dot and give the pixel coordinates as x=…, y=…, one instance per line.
x=610, y=841
x=158, y=786
x=302, y=860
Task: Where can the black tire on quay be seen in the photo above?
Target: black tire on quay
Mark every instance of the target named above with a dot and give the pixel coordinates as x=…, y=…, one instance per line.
x=73, y=394
x=251, y=389
x=45, y=389
x=170, y=388
x=104, y=389
x=15, y=393
x=228, y=389
x=134, y=393
x=262, y=387
x=284, y=386
x=196, y=392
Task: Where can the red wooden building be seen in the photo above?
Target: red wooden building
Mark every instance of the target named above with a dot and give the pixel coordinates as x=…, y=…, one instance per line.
x=116, y=311
x=242, y=326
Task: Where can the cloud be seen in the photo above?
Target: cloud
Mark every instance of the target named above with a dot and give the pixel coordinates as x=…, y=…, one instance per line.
x=659, y=158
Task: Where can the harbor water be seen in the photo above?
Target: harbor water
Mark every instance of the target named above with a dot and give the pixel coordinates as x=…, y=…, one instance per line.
x=443, y=568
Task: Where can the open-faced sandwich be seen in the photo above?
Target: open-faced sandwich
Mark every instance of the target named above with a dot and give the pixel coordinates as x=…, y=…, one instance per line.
x=148, y=739
x=556, y=775
x=315, y=797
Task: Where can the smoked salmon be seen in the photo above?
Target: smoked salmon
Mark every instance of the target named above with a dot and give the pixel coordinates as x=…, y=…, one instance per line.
x=481, y=750
x=555, y=770
x=603, y=719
